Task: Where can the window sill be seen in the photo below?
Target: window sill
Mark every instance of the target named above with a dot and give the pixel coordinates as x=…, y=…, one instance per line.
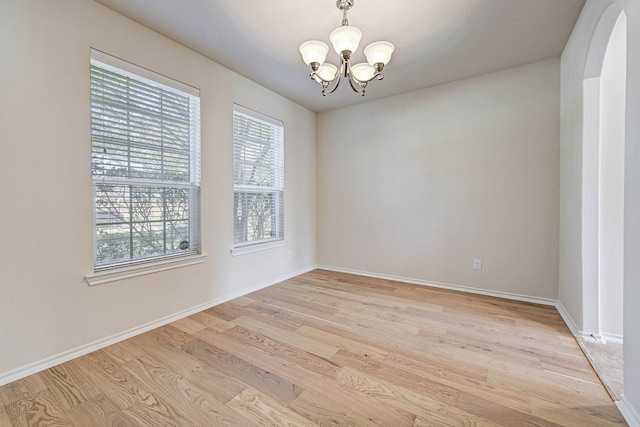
x=142, y=269
x=241, y=250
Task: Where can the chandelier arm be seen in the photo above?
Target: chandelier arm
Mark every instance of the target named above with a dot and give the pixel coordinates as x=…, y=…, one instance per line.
x=337, y=80
x=314, y=76
x=377, y=75
x=338, y=76
x=353, y=86
x=352, y=79
x=324, y=83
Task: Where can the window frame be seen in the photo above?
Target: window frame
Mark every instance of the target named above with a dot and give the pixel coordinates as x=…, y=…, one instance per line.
x=191, y=186
x=277, y=187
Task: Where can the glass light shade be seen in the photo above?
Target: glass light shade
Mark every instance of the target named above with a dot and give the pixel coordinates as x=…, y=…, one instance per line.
x=314, y=51
x=378, y=52
x=363, y=71
x=345, y=38
x=326, y=72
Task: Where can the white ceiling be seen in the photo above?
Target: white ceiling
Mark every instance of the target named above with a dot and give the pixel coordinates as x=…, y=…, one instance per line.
x=437, y=41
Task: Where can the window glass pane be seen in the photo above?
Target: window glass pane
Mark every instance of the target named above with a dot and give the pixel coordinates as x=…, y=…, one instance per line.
x=145, y=164
x=178, y=235
x=258, y=162
x=139, y=130
x=147, y=239
x=112, y=204
x=141, y=221
x=113, y=243
x=256, y=216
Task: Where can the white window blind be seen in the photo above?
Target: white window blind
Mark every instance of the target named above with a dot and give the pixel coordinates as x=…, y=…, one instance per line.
x=258, y=165
x=145, y=139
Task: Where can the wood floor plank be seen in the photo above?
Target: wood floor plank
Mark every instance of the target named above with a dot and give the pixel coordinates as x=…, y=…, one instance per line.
x=576, y=414
x=196, y=405
x=99, y=411
x=427, y=408
x=170, y=334
x=557, y=392
x=295, y=356
x=279, y=296
x=462, y=378
x=394, y=341
x=243, y=300
x=226, y=312
x=371, y=319
x=211, y=322
x=260, y=357
x=305, y=315
x=342, y=342
x=22, y=389
x=330, y=349
x=123, y=351
x=4, y=417
x=115, y=382
x=543, y=378
x=513, y=339
x=381, y=413
x=362, y=362
x=503, y=415
x=41, y=409
x=301, y=342
x=217, y=383
x=188, y=325
x=265, y=411
x=426, y=387
x=573, y=366
x=317, y=408
x=154, y=411
x=260, y=379
x=266, y=313
x=67, y=384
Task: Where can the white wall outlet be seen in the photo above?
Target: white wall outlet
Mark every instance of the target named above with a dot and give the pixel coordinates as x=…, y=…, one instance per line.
x=477, y=264
x=289, y=254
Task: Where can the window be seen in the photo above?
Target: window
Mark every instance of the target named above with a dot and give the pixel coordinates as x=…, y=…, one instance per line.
x=145, y=161
x=258, y=172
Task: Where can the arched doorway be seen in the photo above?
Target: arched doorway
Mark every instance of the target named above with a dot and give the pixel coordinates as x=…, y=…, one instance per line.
x=604, y=88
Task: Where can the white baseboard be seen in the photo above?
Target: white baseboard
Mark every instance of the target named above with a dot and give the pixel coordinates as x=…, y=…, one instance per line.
x=57, y=359
x=613, y=338
x=568, y=320
x=478, y=291
x=628, y=412
x=587, y=336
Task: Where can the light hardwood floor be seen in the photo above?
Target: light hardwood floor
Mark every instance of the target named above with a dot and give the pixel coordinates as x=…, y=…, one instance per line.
x=330, y=349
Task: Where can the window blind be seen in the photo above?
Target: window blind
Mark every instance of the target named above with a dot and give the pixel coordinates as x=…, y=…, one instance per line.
x=258, y=165
x=145, y=138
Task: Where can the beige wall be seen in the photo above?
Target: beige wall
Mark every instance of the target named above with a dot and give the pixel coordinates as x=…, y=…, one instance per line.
x=46, y=306
x=420, y=184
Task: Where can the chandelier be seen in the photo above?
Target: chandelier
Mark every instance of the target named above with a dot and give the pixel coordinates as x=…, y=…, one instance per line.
x=345, y=40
